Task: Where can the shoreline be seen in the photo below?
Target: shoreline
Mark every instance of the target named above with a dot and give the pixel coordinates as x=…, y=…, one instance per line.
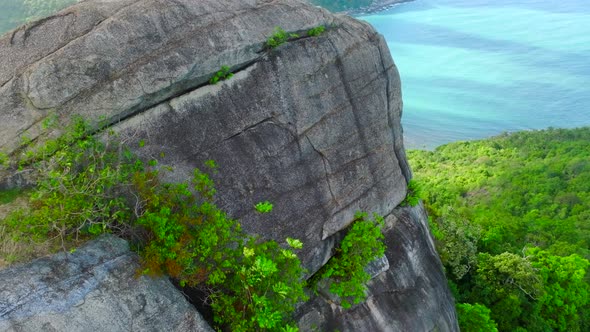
x=376, y=6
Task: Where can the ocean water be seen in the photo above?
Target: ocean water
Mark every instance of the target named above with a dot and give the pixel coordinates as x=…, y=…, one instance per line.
x=476, y=68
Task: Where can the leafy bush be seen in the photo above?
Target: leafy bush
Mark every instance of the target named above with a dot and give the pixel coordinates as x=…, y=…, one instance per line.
x=78, y=188
x=345, y=271
x=414, y=194
x=9, y=195
x=314, y=32
x=221, y=75
x=261, y=289
x=456, y=242
x=253, y=284
x=279, y=37
x=264, y=207
x=475, y=318
x=4, y=160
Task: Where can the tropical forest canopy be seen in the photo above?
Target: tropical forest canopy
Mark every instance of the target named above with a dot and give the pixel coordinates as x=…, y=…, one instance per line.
x=511, y=218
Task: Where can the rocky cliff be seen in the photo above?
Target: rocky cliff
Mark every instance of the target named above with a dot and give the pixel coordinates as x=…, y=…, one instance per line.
x=312, y=125
x=92, y=289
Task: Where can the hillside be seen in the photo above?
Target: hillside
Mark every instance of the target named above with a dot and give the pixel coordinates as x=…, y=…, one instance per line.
x=511, y=215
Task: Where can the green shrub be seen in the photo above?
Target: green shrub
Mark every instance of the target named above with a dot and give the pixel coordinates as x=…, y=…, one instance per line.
x=78, y=188
x=279, y=37
x=255, y=284
x=414, y=194
x=261, y=290
x=264, y=207
x=9, y=195
x=475, y=318
x=345, y=271
x=4, y=160
x=314, y=32
x=221, y=75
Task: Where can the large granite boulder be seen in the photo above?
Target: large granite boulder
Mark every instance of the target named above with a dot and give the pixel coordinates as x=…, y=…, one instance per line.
x=95, y=288
x=312, y=126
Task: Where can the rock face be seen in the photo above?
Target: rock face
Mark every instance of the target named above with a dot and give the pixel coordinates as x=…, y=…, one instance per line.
x=406, y=297
x=93, y=289
x=312, y=126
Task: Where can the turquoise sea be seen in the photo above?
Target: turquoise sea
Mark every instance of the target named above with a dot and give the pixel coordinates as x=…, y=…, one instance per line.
x=476, y=68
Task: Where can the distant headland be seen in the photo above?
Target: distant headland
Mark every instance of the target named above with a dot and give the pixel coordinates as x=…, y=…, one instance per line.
x=376, y=6
x=358, y=7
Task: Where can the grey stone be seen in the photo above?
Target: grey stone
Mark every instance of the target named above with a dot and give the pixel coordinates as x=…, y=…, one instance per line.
x=377, y=266
x=93, y=289
x=406, y=297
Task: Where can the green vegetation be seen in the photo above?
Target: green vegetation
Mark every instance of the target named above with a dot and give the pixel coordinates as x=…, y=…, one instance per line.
x=264, y=207
x=345, y=271
x=223, y=74
x=510, y=217
x=9, y=195
x=314, y=32
x=414, y=194
x=4, y=160
x=475, y=318
x=279, y=37
x=86, y=187
x=77, y=193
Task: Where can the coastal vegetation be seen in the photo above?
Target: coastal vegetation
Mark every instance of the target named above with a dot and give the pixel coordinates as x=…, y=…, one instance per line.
x=510, y=215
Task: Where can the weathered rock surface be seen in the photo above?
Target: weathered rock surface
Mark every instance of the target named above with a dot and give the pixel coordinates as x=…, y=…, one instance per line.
x=312, y=126
x=92, y=289
x=404, y=297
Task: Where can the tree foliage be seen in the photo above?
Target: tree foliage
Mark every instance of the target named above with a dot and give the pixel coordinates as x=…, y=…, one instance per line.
x=519, y=204
x=475, y=318
x=345, y=271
